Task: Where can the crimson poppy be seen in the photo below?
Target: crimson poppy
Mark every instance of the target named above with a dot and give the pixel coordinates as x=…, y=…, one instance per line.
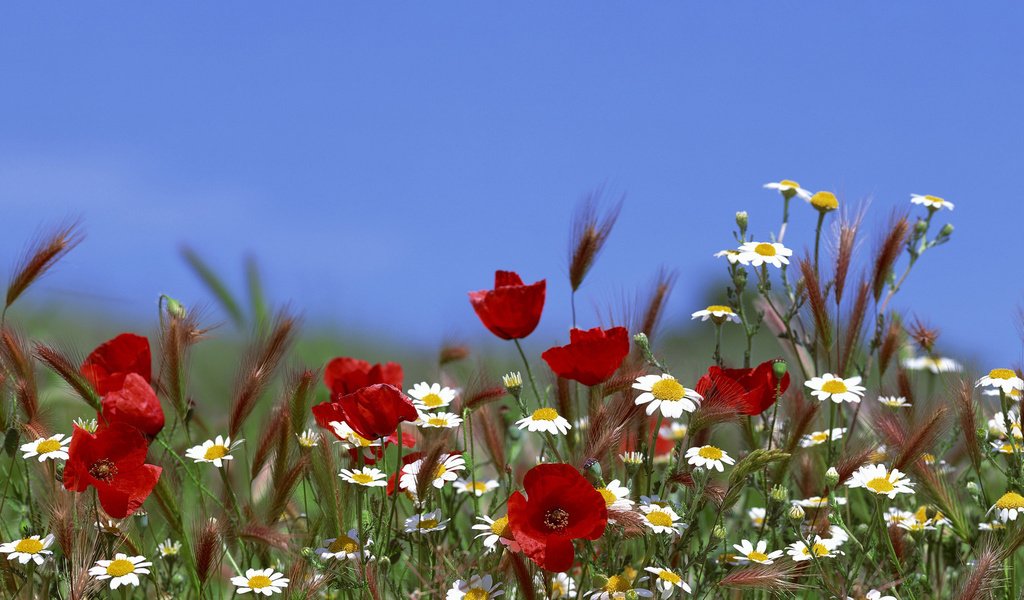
x=511, y=310
x=748, y=391
x=112, y=460
x=108, y=365
x=345, y=375
x=560, y=505
x=376, y=410
x=591, y=357
x=135, y=404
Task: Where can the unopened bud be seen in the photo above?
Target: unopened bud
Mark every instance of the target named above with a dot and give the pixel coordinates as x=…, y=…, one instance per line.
x=719, y=532
x=921, y=226
x=831, y=476
x=632, y=595
x=778, y=494
x=796, y=513
x=513, y=383
x=593, y=466
x=741, y=221
x=173, y=307
x=947, y=230
x=973, y=489
x=642, y=342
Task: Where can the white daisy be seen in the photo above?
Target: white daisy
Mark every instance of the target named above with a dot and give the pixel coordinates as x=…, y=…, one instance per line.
x=894, y=401
x=427, y=396
x=617, y=586
x=123, y=570
x=616, y=496
x=560, y=586
x=820, y=437
x=426, y=522
x=661, y=519
x=632, y=458
x=1009, y=506
x=756, y=254
x=879, y=480
x=874, y=595
x=479, y=488
x=991, y=526
x=439, y=420
x=1005, y=447
x=89, y=425
x=667, y=581
x=27, y=549
x=1003, y=379
x=758, y=554
x=788, y=188
x=260, y=581
x=757, y=515
x=476, y=588
x=732, y=255
x=345, y=547
x=495, y=531
x=822, y=548
x=308, y=438
x=817, y=501
x=367, y=476
x=709, y=457
x=349, y=438
x=53, y=447
x=895, y=516
x=717, y=313
x=213, y=451
x=932, y=202
x=997, y=424
x=837, y=389
x=445, y=471
x=547, y=420
x=168, y=548
x=935, y=364
x=665, y=392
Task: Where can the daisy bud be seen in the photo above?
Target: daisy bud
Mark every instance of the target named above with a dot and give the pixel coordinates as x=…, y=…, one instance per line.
x=741, y=222
x=796, y=513
x=173, y=307
x=831, y=476
x=946, y=231
x=718, y=532
x=862, y=529
x=972, y=489
x=307, y=552
x=632, y=595
x=920, y=227
x=642, y=342
x=778, y=494
x=779, y=368
x=513, y=383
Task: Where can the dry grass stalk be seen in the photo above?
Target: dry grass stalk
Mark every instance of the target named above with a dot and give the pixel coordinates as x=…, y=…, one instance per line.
x=41, y=255
x=590, y=231
x=258, y=367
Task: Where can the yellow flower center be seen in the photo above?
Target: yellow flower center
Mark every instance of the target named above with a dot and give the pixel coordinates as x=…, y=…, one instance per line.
x=343, y=544
x=880, y=485
x=478, y=487
x=216, y=451
x=824, y=201
x=47, y=446
x=819, y=550
x=500, y=527
x=1010, y=500
x=710, y=452
x=428, y=523
x=120, y=567
x=29, y=546
x=609, y=498
x=360, y=441
x=789, y=183
x=834, y=386
x=765, y=249
x=1002, y=374
x=432, y=401
x=259, y=582
x=934, y=199
x=440, y=471
x=669, y=576
x=661, y=519
x=668, y=389
x=819, y=436
x=438, y=422
x=757, y=556
x=617, y=584
x=719, y=308
x=362, y=478
x=476, y=594
x=544, y=414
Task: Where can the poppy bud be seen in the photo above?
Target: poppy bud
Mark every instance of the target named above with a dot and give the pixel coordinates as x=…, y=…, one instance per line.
x=831, y=476
x=796, y=513
x=173, y=307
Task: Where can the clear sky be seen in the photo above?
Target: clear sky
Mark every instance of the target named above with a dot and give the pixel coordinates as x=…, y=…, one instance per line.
x=383, y=161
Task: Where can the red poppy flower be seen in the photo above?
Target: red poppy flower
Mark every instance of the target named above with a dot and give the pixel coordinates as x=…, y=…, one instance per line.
x=375, y=411
x=591, y=357
x=135, y=404
x=560, y=505
x=108, y=365
x=112, y=460
x=345, y=375
x=748, y=391
x=511, y=310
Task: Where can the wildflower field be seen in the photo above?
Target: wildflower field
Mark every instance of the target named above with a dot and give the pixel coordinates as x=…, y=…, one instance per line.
x=817, y=444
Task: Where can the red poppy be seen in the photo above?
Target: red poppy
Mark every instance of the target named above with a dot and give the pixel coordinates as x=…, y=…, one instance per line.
x=112, y=460
x=591, y=357
x=511, y=310
x=560, y=505
x=135, y=404
x=375, y=411
x=748, y=391
x=345, y=375
x=108, y=365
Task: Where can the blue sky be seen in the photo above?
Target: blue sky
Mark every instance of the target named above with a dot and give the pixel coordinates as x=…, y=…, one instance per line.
x=382, y=161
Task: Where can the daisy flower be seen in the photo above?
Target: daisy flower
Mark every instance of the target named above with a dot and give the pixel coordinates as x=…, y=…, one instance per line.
x=895, y=516
x=260, y=581
x=837, y=389
x=426, y=522
x=213, y=451
x=732, y=255
x=476, y=588
x=632, y=458
x=28, y=549
x=717, y=313
x=168, y=548
x=547, y=420
x=824, y=201
x=1004, y=447
x=349, y=438
x=820, y=437
x=788, y=189
x=932, y=202
x=53, y=447
x=617, y=586
x=494, y=531
x=513, y=381
x=822, y=548
x=447, y=467
x=428, y=397
x=665, y=392
x=1008, y=506
x=560, y=586
x=709, y=457
x=616, y=496
x=466, y=486
x=89, y=425
x=661, y=519
x=817, y=501
x=667, y=581
x=673, y=430
x=367, y=476
x=997, y=424
x=894, y=401
x=1003, y=379
x=881, y=481
x=344, y=547
x=757, y=515
x=756, y=254
x=991, y=526
x=308, y=438
x=439, y=420
x=935, y=364
x=757, y=554
x=123, y=570
x=877, y=595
